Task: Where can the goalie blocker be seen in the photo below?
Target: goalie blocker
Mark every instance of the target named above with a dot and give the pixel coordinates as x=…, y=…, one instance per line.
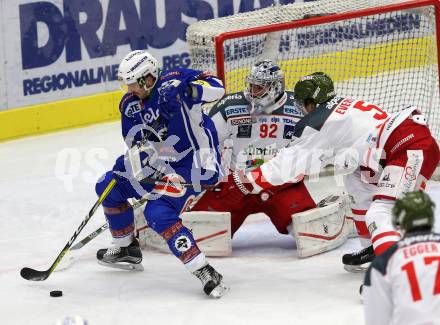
x=315, y=231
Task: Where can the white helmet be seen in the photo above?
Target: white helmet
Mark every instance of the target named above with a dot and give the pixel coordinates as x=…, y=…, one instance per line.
x=136, y=65
x=268, y=76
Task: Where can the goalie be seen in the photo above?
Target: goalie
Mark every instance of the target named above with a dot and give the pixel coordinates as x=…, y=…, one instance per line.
x=393, y=154
x=252, y=127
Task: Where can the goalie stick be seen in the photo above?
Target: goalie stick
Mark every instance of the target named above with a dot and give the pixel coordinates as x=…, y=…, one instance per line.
x=35, y=275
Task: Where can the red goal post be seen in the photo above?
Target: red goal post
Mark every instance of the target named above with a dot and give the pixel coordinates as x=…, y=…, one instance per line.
x=382, y=51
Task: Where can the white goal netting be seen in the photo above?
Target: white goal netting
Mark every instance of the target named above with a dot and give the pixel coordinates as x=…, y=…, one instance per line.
x=385, y=55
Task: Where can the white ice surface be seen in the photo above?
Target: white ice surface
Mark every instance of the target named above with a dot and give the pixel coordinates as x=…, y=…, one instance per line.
x=39, y=213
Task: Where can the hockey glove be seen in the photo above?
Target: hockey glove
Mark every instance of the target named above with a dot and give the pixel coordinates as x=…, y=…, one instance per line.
x=171, y=89
x=235, y=188
x=119, y=165
x=136, y=163
x=171, y=93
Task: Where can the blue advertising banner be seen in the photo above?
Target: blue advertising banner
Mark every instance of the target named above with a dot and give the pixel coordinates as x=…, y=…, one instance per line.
x=65, y=49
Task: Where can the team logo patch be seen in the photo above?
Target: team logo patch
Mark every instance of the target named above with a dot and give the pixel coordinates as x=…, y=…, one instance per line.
x=244, y=131
x=292, y=110
x=133, y=108
x=412, y=170
x=182, y=243
x=241, y=121
x=388, y=184
x=289, y=131
x=236, y=110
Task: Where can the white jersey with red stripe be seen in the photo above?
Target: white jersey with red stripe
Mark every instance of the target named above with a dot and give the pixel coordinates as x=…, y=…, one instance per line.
x=251, y=140
x=342, y=131
x=350, y=134
x=402, y=286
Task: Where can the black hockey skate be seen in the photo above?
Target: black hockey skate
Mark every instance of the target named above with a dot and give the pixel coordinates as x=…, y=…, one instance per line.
x=212, y=281
x=126, y=258
x=355, y=262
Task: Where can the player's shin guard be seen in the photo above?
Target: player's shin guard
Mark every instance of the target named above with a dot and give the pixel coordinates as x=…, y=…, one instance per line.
x=121, y=224
x=361, y=226
x=378, y=218
x=384, y=238
x=357, y=261
x=182, y=244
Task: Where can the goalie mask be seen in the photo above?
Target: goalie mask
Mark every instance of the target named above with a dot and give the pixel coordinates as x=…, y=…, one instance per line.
x=317, y=86
x=265, y=84
x=414, y=210
x=135, y=67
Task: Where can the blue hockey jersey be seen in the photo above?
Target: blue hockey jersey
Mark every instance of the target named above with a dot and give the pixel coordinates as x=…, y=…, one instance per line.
x=184, y=138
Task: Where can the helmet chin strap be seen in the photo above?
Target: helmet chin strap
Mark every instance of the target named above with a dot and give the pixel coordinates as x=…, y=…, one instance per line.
x=143, y=84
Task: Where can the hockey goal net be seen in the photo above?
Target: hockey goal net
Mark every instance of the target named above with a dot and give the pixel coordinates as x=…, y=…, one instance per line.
x=383, y=51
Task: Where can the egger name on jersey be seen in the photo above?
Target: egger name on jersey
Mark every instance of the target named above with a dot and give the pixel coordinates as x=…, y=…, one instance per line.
x=402, y=285
x=250, y=140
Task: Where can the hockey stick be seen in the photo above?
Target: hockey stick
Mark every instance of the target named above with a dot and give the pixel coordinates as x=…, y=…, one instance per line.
x=156, y=181
x=35, y=275
x=89, y=237
x=103, y=228
x=136, y=205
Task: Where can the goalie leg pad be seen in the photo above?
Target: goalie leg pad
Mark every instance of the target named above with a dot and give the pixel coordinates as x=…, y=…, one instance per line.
x=211, y=231
x=285, y=201
x=323, y=228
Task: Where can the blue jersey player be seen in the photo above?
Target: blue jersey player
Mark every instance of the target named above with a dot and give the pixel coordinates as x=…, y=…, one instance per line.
x=169, y=139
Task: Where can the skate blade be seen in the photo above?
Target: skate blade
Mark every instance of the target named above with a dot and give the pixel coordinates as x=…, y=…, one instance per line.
x=357, y=268
x=127, y=266
x=219, y=291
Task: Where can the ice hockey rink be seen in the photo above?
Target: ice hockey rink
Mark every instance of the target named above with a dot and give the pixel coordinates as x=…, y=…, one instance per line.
x=47, y=188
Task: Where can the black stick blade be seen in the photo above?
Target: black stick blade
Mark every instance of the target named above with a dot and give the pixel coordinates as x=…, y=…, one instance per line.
x=33, y=275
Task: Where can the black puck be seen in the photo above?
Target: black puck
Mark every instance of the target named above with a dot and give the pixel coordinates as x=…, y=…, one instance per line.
x=56, y=293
